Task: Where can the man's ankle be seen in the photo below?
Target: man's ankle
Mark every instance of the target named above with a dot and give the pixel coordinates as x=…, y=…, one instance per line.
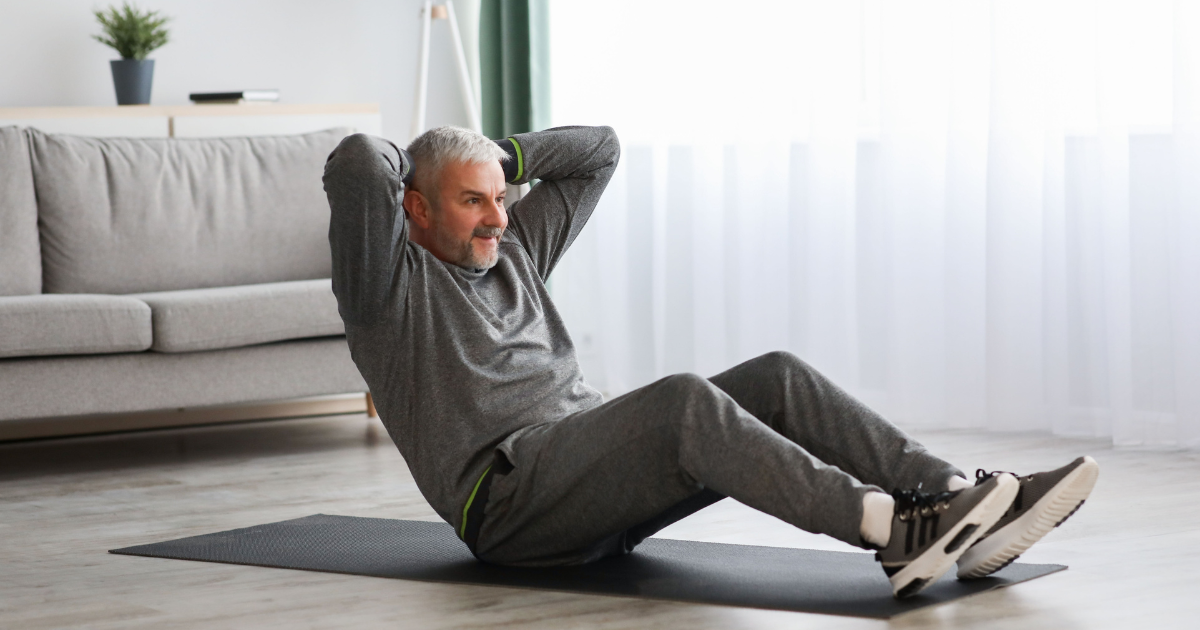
x=958, y=483
x=876, y=527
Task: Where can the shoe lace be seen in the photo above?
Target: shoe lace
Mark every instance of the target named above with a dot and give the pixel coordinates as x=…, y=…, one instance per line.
x=982, y=475
x=913, y=503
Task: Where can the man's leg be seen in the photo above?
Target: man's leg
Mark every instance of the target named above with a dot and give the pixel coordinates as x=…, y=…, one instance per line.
x=794, y=399
x=798, y=402
x=580, y=485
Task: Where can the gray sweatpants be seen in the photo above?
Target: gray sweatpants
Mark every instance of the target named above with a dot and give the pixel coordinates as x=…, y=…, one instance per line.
x=772, y=433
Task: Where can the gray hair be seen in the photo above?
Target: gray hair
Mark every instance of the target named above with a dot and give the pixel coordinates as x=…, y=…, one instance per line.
x=434, y=149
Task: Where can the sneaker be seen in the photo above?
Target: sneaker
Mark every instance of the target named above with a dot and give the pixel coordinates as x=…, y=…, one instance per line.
x=931, y=530
x=1044, y=501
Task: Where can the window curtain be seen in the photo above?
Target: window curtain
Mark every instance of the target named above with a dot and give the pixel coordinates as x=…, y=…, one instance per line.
x=969, y=214
x=514, y=66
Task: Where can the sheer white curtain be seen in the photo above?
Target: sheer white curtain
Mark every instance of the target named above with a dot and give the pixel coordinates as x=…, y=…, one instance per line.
x=969, y=214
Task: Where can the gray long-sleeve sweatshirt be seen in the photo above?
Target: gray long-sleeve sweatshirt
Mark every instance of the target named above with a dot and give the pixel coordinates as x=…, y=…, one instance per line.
x=459, y=361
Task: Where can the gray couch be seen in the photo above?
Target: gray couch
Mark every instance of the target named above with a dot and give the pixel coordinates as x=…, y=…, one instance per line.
x=148, y=274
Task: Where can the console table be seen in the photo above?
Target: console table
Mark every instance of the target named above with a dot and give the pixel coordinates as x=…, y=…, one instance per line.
x=195, y=121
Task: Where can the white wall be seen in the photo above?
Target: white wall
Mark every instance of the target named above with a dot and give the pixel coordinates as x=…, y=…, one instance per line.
x=313, y=51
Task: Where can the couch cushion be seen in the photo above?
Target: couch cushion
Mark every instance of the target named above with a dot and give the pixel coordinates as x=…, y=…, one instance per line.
x=229, y=317
x=20, y=258
x=42, y=387
x=33, y=325
x=123, y=215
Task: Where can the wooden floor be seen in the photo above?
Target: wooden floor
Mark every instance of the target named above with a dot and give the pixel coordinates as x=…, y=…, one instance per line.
x=1134, y=549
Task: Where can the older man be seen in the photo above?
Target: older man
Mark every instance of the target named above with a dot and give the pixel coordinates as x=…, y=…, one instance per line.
x=474, y=376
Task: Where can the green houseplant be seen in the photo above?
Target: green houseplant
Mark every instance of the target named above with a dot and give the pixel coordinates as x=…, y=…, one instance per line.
x=134, y=34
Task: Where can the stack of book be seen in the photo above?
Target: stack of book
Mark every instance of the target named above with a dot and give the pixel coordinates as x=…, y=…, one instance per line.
x=244, y=96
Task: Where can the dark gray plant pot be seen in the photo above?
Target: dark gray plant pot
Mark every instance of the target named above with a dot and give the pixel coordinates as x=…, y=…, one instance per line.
x=132, y=78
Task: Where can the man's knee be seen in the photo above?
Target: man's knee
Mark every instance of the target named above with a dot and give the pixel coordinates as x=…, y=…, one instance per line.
x=782, y=361
x=687, y=385
x=690, y=395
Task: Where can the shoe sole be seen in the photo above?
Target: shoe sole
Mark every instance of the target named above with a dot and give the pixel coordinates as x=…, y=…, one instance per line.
x=1003, y=547
x=926, y=568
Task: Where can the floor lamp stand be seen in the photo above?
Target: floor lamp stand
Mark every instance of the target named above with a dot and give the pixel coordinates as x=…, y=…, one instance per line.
x=429, y=13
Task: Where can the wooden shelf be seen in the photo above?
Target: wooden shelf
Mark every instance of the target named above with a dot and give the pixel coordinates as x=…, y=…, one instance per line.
x=197, y=121
x=243, y=109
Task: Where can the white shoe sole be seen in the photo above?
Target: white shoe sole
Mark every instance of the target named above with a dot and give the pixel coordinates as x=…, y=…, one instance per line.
x=1001, y=548
x=929, y=566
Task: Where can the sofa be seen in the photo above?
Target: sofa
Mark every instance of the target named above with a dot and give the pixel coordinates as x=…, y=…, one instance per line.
x=155, y=274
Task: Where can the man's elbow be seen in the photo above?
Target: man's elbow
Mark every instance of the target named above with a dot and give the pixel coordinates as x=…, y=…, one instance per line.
x=361, y=158
x=609, y=145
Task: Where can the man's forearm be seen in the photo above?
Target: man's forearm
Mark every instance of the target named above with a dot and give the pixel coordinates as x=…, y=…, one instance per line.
x=574, y=165
x=560, y=153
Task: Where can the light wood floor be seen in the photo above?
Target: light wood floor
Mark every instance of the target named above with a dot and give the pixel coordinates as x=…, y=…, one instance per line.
x=1134, y=549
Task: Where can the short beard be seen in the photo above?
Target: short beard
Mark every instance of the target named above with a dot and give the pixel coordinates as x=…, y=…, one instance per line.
x=466, y=253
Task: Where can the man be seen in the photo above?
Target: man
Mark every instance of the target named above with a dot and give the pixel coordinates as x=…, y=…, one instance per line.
x=476, y=380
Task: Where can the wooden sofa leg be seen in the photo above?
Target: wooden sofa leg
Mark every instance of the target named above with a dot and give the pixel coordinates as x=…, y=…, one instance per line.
x=371, y=407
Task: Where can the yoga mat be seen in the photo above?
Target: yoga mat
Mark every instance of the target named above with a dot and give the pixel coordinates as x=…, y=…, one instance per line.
x=802, y=580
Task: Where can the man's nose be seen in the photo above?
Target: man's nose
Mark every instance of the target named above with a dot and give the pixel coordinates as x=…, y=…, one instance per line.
x=496, y=215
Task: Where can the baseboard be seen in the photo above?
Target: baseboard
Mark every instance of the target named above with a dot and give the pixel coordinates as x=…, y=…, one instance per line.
x=109, y=423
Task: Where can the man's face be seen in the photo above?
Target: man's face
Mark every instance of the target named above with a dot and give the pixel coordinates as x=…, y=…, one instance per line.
x=468, y=215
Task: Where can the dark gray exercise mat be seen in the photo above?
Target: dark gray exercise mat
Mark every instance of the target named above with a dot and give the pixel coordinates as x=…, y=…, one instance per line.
x=802, y=580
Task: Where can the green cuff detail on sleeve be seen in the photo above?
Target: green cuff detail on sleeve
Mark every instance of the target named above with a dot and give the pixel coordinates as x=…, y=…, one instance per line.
x=520, y=160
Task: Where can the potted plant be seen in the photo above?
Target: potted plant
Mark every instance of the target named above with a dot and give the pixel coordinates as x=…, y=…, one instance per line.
x=133, y=33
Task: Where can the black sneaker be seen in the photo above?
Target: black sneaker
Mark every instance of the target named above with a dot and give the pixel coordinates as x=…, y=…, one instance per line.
x=930, y=531
x=1044, y=501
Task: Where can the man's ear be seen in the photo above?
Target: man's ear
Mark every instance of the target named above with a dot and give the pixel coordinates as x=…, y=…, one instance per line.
x=418, y=208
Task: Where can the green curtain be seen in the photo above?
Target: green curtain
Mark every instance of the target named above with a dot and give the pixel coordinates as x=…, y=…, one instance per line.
x=514, y=66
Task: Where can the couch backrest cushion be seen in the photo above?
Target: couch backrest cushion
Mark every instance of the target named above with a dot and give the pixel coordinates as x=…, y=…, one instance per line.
x=123, y=215
x=20, y=259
